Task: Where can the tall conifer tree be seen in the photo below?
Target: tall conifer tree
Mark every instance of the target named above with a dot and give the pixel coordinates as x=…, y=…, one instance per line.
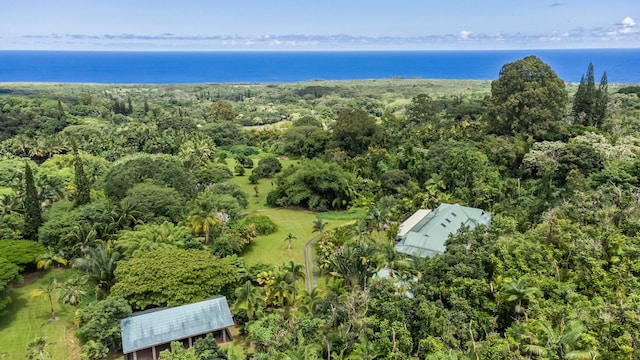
x=82, y=195
x=129, y=106
x=584, y=99
x=33, y=211
x=602, y=101
x=589, y=103
x=579, y=100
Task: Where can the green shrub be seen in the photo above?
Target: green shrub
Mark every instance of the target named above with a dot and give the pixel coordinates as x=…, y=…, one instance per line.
x=262, y=223
x=267, y=167
x=21, y=252
x=245, y=150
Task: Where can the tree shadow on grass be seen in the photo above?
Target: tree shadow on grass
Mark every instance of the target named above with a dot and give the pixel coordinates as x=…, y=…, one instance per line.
x=8, y=315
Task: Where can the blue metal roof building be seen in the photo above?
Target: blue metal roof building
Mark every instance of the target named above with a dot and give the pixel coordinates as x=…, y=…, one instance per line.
x=147, y=333
x=425, y=233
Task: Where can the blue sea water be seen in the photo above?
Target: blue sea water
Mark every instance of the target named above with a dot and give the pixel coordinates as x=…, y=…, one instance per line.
x=621, y=65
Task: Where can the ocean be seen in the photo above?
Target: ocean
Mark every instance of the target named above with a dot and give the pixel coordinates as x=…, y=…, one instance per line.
x=621, y=65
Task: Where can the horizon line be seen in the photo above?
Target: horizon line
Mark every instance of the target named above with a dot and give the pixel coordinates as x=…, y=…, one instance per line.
x=316, y=50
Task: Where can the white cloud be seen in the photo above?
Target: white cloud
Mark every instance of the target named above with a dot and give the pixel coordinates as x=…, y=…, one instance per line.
x=628, y=22
x=464, y=34
x=623, y=34
x=628, y=26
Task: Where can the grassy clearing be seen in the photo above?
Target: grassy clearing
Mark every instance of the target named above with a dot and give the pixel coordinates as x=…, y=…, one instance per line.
x=272, y=249
x=27, y=318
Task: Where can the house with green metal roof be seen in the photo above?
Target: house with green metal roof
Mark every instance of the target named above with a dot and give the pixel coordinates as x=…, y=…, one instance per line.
x=425, y=233
x=146, y=334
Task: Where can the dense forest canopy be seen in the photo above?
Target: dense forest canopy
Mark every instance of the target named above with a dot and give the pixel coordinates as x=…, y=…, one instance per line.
x=144, y=191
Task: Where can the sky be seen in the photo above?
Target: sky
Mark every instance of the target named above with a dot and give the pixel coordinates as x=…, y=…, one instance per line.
x=301, y=25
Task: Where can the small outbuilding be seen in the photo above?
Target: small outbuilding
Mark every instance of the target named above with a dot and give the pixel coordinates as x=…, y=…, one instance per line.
x=425, y=233
x=146, y=334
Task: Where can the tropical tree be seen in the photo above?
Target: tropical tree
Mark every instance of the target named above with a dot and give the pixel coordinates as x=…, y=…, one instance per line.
x=377, y=217
x=354, y=131
x=37, y=349
x=93, y=350
x=99, y=264
x=99, y=321
x=204, y=216
x=222, y=110
x=10, y=204
x=155, y=202
x=72, y=291
x=51, y=258
x=423, y=109
x=281, y=291
x=127, y=214
x=289, y=239
x=152, y=237
x=293, y=270
x=311, y=301
x=198, y=151
x=319, y=225
x=559, y=342
x=171, y=277
x=354, y=262
x=250, y=299
x=178, y=352
x=47, y=291
x=519, y=292
x=527, y=98
x=313, y=184
x=83, y=235
x=397, y=263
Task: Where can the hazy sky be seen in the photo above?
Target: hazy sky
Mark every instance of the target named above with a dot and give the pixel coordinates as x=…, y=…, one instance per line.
x=317, y=25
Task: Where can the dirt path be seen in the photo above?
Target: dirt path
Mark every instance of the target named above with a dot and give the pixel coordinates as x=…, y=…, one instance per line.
x=310, y=276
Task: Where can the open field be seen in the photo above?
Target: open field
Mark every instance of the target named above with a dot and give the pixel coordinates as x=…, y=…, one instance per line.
x=272, y=249
x=27, y=318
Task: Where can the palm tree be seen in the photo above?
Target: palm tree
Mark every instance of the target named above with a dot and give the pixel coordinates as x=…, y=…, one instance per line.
x=197, y=151
x=281, y=292
x=10, y=204
x=289, y=239
x=51, y=257
x=319, y=225
x=310, y=300
x=83, y=235
x=250, y=299
x=397, y=263
x=204, y=217
x=99, y=265
x=377, y=217
x=354, y=263
x=128, y=215
x=518, y=292
x=72, y=291
x=547, y=341
x=294, y=271
x=47, y=291
x=37, y=349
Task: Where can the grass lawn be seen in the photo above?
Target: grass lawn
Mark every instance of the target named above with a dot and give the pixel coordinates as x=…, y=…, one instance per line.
x=272, y=249
x=27, y=318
